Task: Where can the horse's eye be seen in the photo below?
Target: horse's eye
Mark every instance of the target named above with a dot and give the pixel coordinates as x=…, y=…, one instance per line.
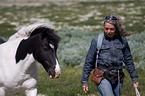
x=52, y=46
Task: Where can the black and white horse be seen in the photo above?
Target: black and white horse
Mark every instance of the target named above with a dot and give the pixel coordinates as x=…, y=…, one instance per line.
x=18, y=56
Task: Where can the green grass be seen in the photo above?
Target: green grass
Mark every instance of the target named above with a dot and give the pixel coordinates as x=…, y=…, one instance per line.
x=6, y=29
x=69, y=84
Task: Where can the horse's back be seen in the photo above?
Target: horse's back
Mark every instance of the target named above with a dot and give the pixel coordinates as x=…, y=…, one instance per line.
x=8, y=51
x=7, y=54
x=10, y=47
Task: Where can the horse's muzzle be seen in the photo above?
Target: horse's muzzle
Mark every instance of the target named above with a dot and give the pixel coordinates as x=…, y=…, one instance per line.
x=57, y=74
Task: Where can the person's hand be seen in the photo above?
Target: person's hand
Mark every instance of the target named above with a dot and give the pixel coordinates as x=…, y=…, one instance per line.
x=85, y=88
x=135, y=84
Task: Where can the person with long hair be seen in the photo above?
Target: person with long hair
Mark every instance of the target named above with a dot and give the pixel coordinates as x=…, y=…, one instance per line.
x=114, y=53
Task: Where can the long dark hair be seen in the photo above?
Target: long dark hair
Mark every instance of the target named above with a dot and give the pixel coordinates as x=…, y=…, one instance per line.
x=116, y=21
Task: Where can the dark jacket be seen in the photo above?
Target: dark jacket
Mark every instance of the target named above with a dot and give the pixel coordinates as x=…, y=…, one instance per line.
x=114, y=53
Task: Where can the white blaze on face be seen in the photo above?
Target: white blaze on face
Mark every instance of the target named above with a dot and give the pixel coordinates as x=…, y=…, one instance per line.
x=57, y=69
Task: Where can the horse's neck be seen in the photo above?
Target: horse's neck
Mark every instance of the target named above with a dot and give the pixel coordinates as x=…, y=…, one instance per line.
x=26, y=59
x=8, y=65
x=27, y=47
x=14, y=74
x=27, y=65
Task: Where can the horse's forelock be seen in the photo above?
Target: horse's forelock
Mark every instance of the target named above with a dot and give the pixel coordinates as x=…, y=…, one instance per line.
x=53, y=38
x=47, y=33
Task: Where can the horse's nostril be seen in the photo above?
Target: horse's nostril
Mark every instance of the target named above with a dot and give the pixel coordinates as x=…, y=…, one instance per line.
x=57, y=74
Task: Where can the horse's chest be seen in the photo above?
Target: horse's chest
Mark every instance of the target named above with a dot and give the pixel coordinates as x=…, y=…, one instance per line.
x=15, y=81
x=22, y=79
x=19, y=84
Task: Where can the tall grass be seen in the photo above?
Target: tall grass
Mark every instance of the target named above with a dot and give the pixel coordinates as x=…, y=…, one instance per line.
x=69, y=84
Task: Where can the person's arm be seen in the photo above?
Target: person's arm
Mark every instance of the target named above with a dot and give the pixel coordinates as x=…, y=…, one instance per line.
x=128, y=60
x=89, y=65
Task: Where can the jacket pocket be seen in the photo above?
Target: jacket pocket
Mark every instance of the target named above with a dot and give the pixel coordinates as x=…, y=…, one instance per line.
x=105, y=48
x=105, y=52
x=120, y=49
x=119, y=52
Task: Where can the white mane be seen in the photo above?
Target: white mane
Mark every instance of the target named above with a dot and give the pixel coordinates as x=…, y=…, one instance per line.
x=27, y=30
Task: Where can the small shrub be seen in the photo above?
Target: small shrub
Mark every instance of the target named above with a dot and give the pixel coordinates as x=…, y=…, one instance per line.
x=74, y=46
x=137, y=44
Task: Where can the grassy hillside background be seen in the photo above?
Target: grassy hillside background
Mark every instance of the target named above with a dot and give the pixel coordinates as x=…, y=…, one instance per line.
x=77, y=23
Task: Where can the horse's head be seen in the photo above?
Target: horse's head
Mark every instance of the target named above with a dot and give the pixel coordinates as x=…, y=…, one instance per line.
x=46, y=52
x=43, y=44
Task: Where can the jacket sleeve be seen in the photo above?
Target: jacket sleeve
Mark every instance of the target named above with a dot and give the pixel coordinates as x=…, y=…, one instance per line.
x=128, y=60
x=89, y=62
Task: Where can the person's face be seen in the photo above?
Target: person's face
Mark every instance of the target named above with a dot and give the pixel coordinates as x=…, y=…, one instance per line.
x=109, y=30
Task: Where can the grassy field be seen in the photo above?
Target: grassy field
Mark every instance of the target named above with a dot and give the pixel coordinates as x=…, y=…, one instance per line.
x=78, y=21
x=69, y=84
x=78, y=15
